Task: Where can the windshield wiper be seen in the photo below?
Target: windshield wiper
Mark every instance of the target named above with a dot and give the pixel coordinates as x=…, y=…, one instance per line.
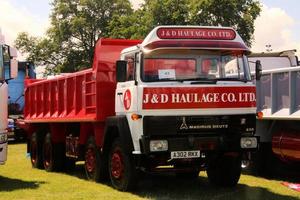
x=199, y=80
x=231, y=79
x=165, y=79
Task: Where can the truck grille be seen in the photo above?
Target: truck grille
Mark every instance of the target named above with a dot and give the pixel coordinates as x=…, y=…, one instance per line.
x=178, y=125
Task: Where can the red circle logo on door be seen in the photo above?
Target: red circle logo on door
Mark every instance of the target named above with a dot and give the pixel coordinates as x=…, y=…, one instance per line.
x=127, y=100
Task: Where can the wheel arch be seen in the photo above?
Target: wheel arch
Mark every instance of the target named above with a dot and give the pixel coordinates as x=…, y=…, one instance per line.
x=117, y=126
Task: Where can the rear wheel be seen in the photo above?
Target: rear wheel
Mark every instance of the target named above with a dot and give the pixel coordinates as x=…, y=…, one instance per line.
x=94, y=162
x=224, y=171
x=36, y=154
x=53, y=155
x=123, y=174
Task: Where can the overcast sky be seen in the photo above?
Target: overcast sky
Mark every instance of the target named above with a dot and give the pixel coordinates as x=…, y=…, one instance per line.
x=278, y=24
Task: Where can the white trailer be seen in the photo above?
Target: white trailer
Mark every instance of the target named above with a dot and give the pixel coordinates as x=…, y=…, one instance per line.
x=278, y=103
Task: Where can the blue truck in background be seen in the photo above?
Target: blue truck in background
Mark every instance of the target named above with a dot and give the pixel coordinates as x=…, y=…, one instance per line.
x=16, y=98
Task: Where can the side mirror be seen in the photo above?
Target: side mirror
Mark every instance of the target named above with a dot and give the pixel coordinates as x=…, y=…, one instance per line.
x=258, y=70
x=13, y=68
x=121, y=68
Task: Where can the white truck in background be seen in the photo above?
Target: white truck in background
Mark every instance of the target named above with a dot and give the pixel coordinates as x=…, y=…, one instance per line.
x=278, y=106
x=274, y=60
x=8, y=70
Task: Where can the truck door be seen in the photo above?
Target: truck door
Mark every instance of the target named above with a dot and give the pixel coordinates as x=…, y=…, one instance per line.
x=126, y=95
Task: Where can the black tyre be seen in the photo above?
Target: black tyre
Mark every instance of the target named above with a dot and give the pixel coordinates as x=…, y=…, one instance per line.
x=224, y=171
x=122, y=172
x=35, y=149
x=53, y=155
x=95, y=163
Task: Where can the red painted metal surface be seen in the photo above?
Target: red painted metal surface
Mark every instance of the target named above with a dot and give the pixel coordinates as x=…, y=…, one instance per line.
x=84, y=96
x=58, y=131
x=286, y=145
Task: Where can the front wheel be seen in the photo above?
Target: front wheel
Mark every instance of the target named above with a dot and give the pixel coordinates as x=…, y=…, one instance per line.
x=123, y=174
x=224, y=171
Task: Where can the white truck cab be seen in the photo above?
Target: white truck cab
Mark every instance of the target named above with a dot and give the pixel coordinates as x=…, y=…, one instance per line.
x=7, y=62
x=189, y=100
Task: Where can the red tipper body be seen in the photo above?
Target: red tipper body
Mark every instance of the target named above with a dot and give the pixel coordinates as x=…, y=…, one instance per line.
x=75, y=97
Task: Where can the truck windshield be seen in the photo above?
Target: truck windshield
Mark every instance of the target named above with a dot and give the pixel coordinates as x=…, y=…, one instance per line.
x=193, y=65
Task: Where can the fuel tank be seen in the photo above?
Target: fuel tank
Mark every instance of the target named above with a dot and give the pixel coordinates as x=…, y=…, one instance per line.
x=286, y=145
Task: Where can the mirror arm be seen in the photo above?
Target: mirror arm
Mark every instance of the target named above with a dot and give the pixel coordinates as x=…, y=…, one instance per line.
x=258, y=70
x=6, y=80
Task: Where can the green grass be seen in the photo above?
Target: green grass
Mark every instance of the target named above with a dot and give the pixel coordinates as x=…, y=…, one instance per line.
x=18, y=180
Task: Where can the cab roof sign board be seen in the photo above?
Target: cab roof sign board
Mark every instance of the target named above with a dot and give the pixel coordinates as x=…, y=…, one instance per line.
x=195, y=37
x=196, y=33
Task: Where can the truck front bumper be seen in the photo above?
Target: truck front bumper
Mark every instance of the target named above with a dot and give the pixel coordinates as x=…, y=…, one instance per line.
x=203, y=143
x=206, y=148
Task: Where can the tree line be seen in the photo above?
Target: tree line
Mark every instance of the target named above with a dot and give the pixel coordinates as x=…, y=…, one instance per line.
x=76, y=25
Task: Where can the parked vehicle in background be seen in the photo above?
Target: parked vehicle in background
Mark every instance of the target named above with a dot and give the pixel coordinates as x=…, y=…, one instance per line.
x=10, y=128
x=180, y=101
x=278, y=101
x=9, y=64
x=16, y=99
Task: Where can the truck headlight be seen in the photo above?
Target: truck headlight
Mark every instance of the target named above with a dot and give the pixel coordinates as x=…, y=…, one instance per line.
x=158, y=145
x=3, y=138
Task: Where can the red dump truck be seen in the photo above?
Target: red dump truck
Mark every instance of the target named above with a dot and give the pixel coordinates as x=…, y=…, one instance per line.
x=182, y=100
